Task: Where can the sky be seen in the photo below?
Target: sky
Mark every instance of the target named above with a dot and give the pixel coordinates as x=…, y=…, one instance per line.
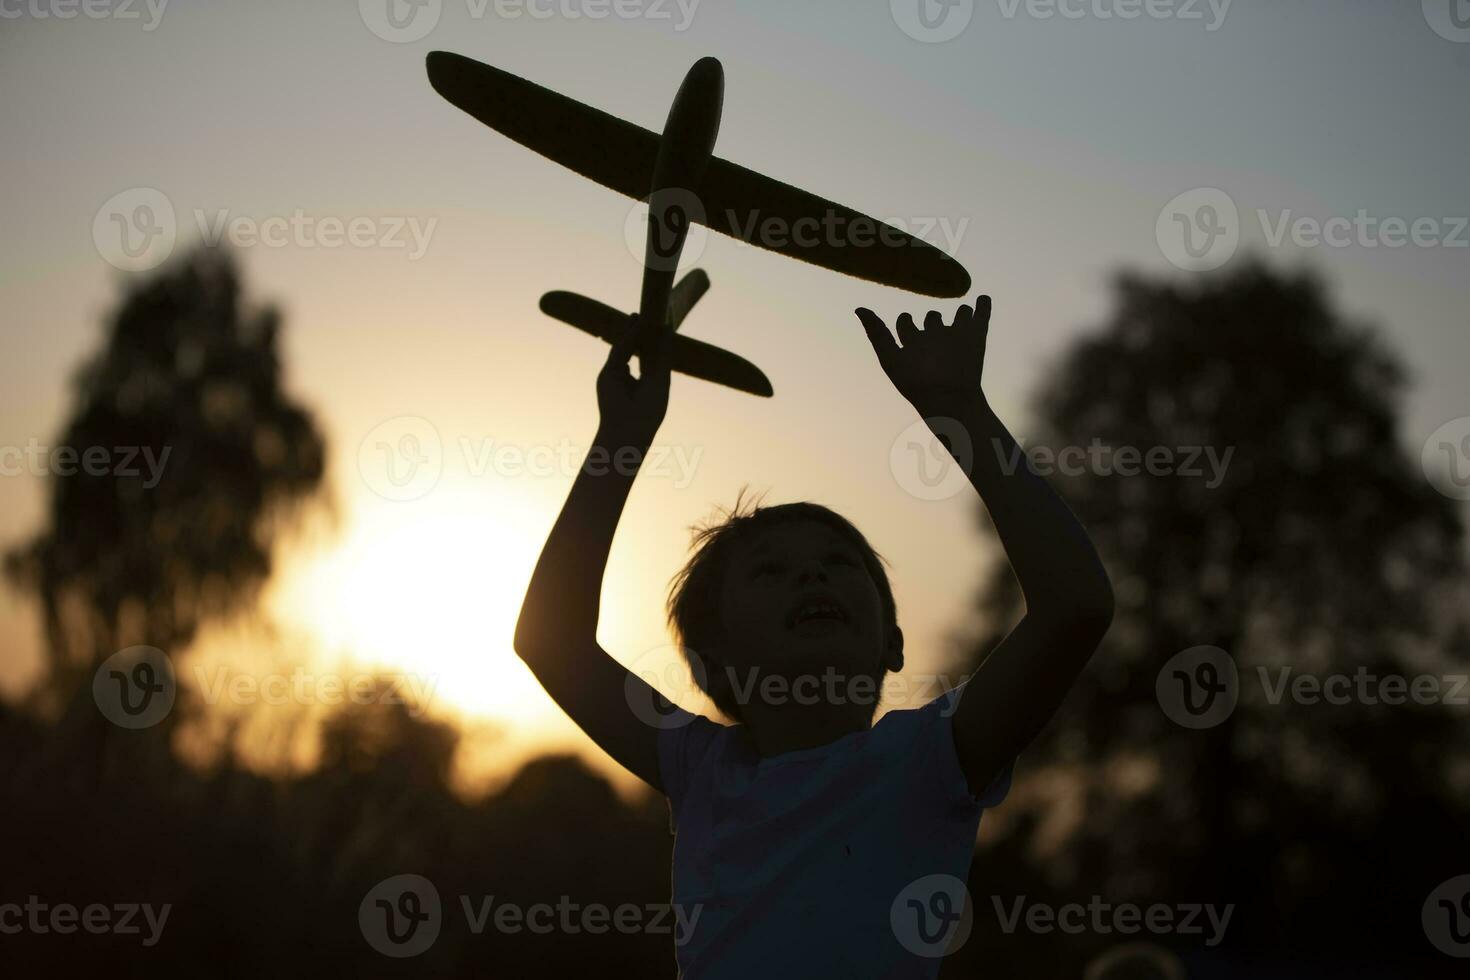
x=1045, y=145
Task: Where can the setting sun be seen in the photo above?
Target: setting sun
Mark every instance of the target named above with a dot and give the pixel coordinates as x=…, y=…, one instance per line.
x=430, y=588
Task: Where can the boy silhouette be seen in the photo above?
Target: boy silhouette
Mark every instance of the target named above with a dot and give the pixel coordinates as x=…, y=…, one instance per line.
x=804, y=833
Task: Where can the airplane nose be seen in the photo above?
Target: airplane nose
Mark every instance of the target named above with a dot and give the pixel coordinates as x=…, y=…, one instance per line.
x=709, y=69
x=700, y=95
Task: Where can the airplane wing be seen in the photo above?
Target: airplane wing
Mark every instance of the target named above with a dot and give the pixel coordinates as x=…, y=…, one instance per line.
x=692, y=357
x=736, y=201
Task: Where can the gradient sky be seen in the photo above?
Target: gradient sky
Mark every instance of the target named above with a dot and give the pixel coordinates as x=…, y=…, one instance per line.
x=1053, y=142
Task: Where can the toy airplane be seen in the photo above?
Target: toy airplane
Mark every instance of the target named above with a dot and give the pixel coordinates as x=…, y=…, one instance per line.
x=668, y=170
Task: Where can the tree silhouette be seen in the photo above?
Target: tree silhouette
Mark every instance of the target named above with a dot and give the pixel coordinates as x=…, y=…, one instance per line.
x=265, y=875
x=140, y=555
x=1322, y=550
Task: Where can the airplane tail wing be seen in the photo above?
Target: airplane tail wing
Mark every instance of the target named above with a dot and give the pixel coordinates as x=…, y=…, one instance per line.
x=692, y=357
x=710, y=363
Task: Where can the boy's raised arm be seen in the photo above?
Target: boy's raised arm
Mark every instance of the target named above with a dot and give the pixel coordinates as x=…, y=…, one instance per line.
x=1069, y=600
x=556, y=634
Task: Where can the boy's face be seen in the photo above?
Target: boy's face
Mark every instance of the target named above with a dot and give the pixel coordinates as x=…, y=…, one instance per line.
x=798, y=600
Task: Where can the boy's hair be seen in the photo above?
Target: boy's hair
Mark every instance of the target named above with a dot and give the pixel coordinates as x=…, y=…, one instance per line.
x=694, y=593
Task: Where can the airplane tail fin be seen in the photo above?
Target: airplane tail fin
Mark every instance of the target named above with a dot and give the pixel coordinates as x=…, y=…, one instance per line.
x=687, y=292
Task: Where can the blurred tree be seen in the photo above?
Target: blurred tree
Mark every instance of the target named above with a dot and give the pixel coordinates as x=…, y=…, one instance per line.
x=1319, y=550
x=208, y=456
x=262, y=876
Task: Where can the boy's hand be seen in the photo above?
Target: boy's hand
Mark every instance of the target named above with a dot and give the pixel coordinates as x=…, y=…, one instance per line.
x=632, y=409
x=938, y=368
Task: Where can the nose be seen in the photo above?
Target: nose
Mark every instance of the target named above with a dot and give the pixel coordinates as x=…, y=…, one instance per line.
x=810, y=570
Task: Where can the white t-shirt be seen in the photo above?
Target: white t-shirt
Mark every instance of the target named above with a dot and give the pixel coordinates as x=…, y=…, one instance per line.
x=794, y=863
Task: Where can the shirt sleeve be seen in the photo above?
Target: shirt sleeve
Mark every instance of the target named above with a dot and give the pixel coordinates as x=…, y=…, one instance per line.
x=949, y=778
x=685, y=741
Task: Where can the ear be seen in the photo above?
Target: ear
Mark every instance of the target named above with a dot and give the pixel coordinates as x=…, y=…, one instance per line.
x=893, y=653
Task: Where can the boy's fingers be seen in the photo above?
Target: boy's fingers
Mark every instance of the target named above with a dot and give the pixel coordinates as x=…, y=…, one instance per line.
x=907, y=332
x=622, y=348
x=934, y=321
x=982, y=311
x=878, y=334
x=963, y=315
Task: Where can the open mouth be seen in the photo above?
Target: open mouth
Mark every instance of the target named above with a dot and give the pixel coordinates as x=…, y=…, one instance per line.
x=816, y=612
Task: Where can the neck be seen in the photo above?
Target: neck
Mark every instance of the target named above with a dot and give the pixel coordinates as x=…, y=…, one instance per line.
x=777, y=729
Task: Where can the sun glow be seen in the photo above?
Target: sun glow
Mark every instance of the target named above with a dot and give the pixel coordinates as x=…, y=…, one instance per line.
x=431, y=588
